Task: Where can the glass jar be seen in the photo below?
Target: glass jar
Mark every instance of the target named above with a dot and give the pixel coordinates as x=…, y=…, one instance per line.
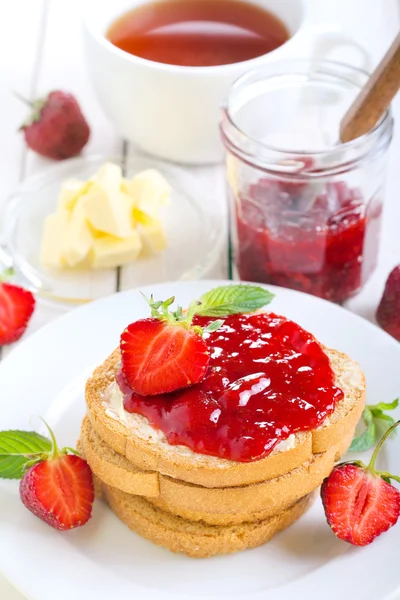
x=305, y=209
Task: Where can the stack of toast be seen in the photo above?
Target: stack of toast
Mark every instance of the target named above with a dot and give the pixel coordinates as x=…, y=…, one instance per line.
x=204, y=505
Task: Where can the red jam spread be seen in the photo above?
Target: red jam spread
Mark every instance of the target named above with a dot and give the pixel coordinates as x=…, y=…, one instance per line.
x=267, y=379
x=328, y=249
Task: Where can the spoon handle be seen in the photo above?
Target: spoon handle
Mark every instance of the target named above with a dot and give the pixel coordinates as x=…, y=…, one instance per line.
x=375, y=97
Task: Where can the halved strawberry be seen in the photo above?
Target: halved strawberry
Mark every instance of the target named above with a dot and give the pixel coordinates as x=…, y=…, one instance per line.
x=59, y=491
x=16, y=308
x=56, y=485
x=360, y=503
x=158, y=357
x=166, y=352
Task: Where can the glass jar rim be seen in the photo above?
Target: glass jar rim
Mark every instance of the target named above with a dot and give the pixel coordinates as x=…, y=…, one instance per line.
x=360, y=147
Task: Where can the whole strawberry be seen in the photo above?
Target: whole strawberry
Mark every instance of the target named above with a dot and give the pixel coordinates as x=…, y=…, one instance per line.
x=55, y=486
x=16, y=308
x=360, y=503
x=56, y=128
x=388, y=313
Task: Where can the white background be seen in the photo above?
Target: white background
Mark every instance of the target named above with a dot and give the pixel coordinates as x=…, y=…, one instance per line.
x=41, y=50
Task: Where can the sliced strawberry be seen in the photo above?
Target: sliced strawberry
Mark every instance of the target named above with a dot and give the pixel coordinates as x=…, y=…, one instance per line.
x=16, y=308
x=158, y=357
x=359, y=506
x=360, y=503
x=59, y=491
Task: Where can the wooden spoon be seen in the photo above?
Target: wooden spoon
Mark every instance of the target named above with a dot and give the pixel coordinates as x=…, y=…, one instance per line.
x=374, y=98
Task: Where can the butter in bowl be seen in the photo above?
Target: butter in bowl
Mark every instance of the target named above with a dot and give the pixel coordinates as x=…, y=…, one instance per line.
x=107, y=221
x=91, y=226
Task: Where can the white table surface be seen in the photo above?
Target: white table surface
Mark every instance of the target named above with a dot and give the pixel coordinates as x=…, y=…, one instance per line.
x=41, y=50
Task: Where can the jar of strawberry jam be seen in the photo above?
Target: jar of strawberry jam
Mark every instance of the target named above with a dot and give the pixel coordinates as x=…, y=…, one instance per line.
x=305, y=210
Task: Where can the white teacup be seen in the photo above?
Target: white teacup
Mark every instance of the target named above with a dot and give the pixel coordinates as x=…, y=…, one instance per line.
x=172, y=111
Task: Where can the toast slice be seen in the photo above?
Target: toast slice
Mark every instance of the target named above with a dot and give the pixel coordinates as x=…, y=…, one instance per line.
x=132, y=436
x=195, y=539
x=215, y=506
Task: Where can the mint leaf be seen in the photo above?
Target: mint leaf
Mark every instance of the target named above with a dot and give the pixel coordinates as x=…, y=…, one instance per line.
x=17, y=448
x=383, y=422
x=233, y=299
x=384, y=405
x=377, y=413
x=367, y=439
x=377, y=423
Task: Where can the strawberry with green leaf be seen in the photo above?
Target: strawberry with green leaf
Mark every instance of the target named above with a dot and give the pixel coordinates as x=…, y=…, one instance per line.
x=166, y=352
x=56, y=485
x=360, y=502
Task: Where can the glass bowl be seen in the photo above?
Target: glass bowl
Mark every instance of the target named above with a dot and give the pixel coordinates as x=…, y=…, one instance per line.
x=194, y=233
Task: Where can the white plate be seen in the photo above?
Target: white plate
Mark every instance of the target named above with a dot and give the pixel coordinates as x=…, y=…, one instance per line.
x=103, y=560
